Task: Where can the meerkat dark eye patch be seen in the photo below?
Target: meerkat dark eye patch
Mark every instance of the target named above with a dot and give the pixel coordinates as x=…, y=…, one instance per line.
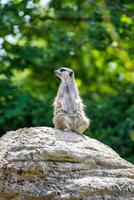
x=62, y=70
x=71, y=74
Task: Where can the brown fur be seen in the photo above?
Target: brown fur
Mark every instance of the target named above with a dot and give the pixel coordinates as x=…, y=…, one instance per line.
x=68, y=107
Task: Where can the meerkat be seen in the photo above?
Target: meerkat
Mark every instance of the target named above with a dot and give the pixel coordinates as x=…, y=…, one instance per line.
x=69, y=112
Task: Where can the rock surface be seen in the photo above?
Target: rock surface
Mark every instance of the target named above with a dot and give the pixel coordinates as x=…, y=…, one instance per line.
x=44, y=163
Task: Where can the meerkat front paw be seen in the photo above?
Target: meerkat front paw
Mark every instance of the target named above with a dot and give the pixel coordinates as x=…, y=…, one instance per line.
x=66, y=130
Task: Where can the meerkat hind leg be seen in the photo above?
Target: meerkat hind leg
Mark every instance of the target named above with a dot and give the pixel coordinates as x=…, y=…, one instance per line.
x=83, y=126
x=63, y=122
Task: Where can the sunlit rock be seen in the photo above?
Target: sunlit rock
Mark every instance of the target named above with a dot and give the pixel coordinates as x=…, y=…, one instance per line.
x=45, y=163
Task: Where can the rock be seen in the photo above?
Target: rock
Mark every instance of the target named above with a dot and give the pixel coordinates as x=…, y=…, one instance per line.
x=44, y=163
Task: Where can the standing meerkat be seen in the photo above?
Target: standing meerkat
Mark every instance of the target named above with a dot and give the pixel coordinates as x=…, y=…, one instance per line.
x=68, y=107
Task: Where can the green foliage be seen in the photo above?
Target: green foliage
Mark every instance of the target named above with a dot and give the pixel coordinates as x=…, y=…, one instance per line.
x=114, y=118
x=95, y=39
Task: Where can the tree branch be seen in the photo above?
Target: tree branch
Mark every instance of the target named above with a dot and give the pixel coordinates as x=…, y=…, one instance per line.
x=68, y=18
x=122, y=10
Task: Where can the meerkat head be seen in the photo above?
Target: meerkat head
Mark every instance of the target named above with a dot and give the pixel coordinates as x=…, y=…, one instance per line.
x=64, y=73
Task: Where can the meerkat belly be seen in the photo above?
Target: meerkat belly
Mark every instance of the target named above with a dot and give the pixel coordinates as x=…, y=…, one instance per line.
x=69, y=103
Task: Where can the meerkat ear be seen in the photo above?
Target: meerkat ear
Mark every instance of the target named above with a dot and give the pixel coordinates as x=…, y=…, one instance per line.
x=71, y=74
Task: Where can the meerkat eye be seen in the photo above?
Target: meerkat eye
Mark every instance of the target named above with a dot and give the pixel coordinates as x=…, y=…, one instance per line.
x=62, y=70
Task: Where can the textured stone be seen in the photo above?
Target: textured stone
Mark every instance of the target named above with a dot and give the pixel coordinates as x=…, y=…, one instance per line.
x=44, y=163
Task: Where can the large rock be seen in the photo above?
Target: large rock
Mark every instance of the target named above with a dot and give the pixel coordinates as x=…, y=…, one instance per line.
x=44, y=163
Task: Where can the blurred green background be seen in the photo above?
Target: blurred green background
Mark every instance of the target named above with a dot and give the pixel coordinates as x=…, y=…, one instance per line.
x=93, y=37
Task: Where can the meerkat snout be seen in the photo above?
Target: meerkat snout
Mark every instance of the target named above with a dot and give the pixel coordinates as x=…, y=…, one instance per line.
x=57, y=72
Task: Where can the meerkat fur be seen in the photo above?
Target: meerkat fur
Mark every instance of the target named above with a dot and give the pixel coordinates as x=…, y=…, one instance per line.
x=68, y=107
